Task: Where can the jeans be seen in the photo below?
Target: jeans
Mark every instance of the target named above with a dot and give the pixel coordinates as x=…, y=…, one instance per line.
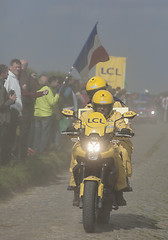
x=56, y=133
x=5, y=150
x=12, y=139
x=25, y=125
x=42, y=129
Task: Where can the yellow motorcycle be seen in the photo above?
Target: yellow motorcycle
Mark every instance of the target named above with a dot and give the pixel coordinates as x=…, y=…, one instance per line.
x=95, y=172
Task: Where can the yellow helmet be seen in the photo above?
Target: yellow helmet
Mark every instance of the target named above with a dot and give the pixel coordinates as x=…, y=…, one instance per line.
x=102, y=97
x=103, y=102
x=94, y=84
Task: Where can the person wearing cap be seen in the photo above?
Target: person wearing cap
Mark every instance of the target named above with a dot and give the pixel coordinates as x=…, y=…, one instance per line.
x=43, y=111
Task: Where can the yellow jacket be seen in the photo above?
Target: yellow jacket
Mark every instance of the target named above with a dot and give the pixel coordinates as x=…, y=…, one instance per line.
x=110, y=120
x=44, y=105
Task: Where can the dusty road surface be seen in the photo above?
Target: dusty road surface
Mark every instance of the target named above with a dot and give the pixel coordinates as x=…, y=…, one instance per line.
x=46, y=213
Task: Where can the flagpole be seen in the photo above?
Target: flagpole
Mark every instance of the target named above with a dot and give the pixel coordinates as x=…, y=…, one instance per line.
x=68, y=75
x=66, y=78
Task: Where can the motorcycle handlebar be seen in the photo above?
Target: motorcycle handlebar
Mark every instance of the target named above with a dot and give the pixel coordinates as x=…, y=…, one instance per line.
x=69, y=133
x=119, y=134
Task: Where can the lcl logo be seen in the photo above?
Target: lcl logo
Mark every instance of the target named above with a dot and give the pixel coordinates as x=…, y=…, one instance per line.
x=110, y=71
x=95, y=120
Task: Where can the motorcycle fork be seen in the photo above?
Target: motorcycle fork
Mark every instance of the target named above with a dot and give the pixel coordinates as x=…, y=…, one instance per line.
x=99, y=202
x=83, y=170
x=100, y=199
x=103, y=173
x=108, y=192
x=81, y=184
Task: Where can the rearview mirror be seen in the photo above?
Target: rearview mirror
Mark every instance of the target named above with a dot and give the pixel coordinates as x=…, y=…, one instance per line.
x=129, y=114
x=68, y=113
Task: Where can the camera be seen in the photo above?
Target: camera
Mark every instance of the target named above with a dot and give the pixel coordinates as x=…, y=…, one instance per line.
x=11, y=92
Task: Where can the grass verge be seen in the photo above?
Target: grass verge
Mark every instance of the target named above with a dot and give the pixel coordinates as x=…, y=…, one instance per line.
x=36, y=170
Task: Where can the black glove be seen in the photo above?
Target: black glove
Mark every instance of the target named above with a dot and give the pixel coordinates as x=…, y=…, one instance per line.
x=70, y=129
x=125, y=131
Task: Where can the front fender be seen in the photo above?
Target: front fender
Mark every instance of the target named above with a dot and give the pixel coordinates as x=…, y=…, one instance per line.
x=99, y=183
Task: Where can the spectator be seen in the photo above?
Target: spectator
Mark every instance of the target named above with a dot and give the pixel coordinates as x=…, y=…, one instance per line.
x=23, y=76
x=29, y=94
x=84, y=95
x=43, y=117
x=111, y=90
x=165, y=108
x=6, y=100
x=70, y=100
x=12, y=83
x=57, y=115
x=121, y=94
x=77, y=90
x=36, y=84
x=27, y=105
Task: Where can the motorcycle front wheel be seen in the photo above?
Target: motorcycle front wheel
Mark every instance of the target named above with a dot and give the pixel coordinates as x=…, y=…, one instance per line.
x=103, y=215
x=89, y=205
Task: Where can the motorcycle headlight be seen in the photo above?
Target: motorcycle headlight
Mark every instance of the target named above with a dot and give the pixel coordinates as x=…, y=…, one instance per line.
x=93, y=149
x=153, y=112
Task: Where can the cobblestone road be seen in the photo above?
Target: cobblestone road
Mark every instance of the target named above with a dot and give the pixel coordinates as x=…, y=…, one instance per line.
x=46, y=213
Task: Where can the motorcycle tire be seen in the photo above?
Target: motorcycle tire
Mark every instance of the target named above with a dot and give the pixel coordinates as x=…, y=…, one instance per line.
x=89, y=206
x=103, y=215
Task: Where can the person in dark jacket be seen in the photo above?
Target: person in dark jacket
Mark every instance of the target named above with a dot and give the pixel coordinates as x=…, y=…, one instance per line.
x=6, y=100
x=28, y=90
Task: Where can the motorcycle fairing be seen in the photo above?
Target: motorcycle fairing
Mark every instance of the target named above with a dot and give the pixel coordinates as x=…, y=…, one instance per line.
x=95, y=123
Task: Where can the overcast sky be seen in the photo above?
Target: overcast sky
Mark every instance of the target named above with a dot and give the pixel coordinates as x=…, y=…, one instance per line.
x=51, y=33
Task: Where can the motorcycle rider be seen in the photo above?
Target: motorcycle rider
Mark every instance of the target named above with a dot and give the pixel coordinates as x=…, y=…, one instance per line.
x=125, y=147
x=103, y=102
x=95, y=84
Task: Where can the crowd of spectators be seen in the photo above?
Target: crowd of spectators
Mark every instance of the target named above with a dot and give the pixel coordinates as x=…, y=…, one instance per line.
x=30, y=110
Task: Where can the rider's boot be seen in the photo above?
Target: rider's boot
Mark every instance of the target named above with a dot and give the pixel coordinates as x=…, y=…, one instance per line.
x=120, y=199
x=128, y=188
x=70, y=188
x=76, y=197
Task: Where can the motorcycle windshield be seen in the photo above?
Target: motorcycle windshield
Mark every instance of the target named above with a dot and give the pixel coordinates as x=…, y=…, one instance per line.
x=95, y=123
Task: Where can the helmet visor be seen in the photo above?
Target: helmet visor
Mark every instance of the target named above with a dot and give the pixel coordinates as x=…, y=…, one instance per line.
x=105, y=109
